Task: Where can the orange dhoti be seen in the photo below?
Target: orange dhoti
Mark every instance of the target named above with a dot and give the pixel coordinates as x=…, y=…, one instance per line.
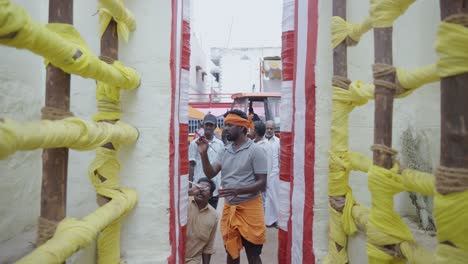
x=243, y=220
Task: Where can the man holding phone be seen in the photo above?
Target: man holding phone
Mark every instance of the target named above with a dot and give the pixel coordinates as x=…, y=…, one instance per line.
x=243, y=165
x=216, y=146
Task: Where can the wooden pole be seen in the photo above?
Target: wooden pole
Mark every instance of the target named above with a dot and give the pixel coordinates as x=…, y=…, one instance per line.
x=454, y=109
x=110, y=42
x=109, y=53
x=340, y=54
x=383, y=98
x=340, y=69
x=55, y=161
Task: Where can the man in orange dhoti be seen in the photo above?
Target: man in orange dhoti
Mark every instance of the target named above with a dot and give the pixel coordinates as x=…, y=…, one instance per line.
x=243, y=167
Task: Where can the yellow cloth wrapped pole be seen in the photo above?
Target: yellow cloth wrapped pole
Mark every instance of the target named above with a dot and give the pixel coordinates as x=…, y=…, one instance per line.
x=360, y=162
x=70, y=133
x=382, y=13
x=411, y=80
x=452, y=48
x=385, y=12
x=72, y=235
x=385, y=226
x=342, y=224
x=61, y=45
x=104, y=174
x=115, y=9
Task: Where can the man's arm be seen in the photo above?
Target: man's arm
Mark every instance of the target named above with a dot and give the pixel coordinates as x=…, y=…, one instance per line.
x=193, y=152
x=191, y=170
x=209, y=170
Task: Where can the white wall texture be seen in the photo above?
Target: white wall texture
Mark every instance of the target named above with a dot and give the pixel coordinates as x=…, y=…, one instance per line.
x=240, y=67
x=145, y=165
x=413, y=46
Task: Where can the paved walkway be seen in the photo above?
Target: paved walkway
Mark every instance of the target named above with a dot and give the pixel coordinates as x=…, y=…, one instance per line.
x=269, y=252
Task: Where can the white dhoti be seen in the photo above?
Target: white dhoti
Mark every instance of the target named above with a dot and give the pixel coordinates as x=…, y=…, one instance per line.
x=271, y=199
x=272, y=189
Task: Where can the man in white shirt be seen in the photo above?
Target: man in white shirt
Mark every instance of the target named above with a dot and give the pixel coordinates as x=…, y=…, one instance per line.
x=271, y=202
x=216, y=147
x=270, y=136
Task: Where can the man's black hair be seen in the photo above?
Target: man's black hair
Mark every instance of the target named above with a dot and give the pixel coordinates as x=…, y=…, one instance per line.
x=239, y=113
x=236, y=112
x=212, y=184
x=260, y=128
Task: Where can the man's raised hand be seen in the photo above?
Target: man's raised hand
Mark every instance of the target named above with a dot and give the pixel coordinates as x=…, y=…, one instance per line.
x=202, y=145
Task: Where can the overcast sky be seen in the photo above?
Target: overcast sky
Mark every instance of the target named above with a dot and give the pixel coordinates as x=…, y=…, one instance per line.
x=238, y=23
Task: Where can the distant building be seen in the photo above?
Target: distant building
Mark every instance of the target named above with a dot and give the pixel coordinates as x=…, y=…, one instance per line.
x=255, y=69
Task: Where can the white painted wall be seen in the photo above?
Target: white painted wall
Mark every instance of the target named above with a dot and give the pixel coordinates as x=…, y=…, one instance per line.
x=22, y=78
x=240, y=67
x=145, y=165
x=198, y=57
x=413, y=42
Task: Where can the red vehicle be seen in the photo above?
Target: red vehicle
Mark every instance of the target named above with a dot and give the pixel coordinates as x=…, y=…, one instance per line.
x=265, y=105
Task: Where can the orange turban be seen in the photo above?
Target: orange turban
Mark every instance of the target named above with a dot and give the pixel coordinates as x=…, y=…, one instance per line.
x=239, y=121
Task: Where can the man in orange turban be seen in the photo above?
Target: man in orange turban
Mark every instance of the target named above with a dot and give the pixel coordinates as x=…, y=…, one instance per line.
x=243, y=167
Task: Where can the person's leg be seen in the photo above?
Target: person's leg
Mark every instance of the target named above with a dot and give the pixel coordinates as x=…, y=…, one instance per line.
x=213, y=201
x=252, y=251
x=229, y=259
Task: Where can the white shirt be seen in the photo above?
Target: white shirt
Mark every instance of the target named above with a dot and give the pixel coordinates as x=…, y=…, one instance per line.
x=275, y=143
x=215, y=147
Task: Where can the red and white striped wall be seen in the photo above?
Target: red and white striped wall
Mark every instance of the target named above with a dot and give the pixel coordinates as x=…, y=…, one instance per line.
x=299, y=40
x=180, y=67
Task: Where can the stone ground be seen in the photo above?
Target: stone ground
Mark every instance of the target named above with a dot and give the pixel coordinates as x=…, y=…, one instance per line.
x=269, y=252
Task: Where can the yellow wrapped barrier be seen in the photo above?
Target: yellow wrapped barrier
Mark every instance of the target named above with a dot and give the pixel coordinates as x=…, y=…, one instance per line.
x=62, y=46
x=115, y=9
x=385, y=226
x=412, y=80
x=382, y=14
x=452, y=48
x=70, y=132
x=72, y=235
x=385, y=12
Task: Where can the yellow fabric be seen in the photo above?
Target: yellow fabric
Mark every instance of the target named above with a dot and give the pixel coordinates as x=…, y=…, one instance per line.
x=72, y=235
x=449, y=255
x=452, y=48
x=415, y=254
x=115, y=9
x=106, y=166
x=385, y=226
x=359, y=162
x=376, y=256
x=382, y=14
x=417, y=181
x=61, y=44
x=342, y=29
x=337, y=236
x=414, y=79
x=451, y=217
x=246, y=220
x=361, y=215
x=385, y=12
x=108, y=101
x=344, y=101
x=70, y=132
x=359, y=93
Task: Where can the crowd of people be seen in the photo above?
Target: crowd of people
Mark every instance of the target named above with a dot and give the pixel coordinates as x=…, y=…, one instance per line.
x=244, y=171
